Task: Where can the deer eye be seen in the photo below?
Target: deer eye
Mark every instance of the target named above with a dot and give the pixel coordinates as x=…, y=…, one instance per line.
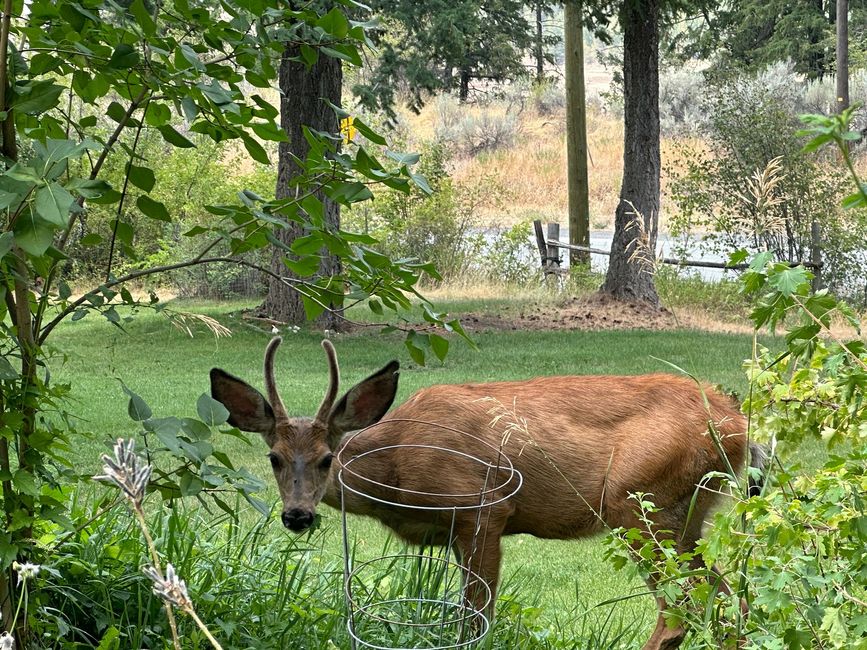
x=275, y=460
x=325, y=463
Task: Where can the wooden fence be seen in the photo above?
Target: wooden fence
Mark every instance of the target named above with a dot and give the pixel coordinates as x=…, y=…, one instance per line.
x=550, y=260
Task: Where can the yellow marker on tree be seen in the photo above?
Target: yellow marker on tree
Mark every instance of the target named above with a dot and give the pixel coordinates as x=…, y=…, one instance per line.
x=347, y=129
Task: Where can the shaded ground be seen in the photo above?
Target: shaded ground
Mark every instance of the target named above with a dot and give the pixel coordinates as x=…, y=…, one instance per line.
x=592, y=312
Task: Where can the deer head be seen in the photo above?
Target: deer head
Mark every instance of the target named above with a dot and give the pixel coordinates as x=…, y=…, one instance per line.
x=302, y=448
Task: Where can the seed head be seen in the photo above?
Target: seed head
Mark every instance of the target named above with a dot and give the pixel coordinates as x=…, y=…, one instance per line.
x=126, y=471
x=7, y=642
x=170, y=587
x=26, y=571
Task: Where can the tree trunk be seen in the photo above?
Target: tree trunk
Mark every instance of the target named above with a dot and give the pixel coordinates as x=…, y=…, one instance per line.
x=842, y=55
x=539, y=49
x=576, y=134
x=630, y=272
x=464, y=92
x=303, y=92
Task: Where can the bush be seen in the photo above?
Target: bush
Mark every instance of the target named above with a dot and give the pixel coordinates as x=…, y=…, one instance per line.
x=471, y=131
x=511, y=257
x=755, y=188
x=680, y=101
x=548, y=98
x=794, y=551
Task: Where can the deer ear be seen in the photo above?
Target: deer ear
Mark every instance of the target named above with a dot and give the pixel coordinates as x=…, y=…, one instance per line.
x=364, y=403
x=248, y=408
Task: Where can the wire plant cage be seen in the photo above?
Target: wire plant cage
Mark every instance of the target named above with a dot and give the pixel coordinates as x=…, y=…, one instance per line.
x=420, y=600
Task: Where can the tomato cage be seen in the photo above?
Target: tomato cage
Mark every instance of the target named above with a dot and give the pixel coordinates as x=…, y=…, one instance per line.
x=431, y=599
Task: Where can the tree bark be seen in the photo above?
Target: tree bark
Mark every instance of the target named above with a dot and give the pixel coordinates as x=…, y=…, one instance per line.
x=464, y=91
x=576, y=134
x=539, y=46
x=303, y=92
x=630, y=272
x=842, y=55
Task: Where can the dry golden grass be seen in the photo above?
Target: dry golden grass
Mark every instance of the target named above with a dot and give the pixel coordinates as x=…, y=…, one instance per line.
x=532, y=172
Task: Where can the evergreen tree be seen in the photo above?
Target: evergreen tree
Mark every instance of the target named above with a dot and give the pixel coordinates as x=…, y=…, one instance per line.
x=446, y=45
x=756, y=33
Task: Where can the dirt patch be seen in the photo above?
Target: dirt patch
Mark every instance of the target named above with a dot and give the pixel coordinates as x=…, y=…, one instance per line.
x=595, y=312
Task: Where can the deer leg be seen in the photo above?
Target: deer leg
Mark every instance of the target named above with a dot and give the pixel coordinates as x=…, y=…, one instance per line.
x=664, y=636
x=481, y=561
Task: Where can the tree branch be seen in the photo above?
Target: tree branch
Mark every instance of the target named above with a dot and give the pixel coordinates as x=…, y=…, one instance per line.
x=294, y=283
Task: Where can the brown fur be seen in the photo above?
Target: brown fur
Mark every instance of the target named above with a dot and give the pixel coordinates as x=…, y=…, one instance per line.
x=582, y=445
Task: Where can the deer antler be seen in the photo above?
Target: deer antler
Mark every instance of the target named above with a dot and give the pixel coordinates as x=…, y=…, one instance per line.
x=270, y=385
x=334, y=371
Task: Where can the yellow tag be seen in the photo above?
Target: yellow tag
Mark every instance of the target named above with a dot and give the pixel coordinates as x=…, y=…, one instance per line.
x=347, y=129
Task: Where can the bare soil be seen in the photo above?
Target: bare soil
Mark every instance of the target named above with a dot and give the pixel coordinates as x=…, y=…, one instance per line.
x=594, y=312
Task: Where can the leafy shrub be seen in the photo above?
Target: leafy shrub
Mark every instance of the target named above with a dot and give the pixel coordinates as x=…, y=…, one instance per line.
x=755, y=188
x=548, y=98
x=681, y=94
x=510, y=257
x=473, y=130
x=795, y=552
x=445, y=227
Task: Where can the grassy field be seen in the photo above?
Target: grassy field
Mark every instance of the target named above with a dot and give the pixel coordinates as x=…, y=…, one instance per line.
x=170, y=370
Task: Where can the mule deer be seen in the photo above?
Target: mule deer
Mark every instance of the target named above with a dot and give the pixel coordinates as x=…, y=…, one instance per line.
x=589, y=443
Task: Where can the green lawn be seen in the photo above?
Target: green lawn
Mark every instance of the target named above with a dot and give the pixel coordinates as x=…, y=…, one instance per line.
x=170, y=370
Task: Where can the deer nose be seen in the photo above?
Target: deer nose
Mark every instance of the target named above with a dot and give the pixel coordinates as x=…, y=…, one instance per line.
x=297, y=520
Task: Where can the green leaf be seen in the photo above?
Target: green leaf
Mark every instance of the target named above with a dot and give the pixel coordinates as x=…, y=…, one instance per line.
x=142, y=177
x=309, y=55
x=403, y=158
x=791, y=280
x=312, y=308
x=421, y=182
x=854, y=201
x=34, y=236
x=439, y=345
x=25, y=482
x=6, y=241
x=116, y=112
x=256, y=151
x=258, y=504
x=196, y=428
x=124, y=57
x=210, y=411
x=7, y=372
x=143, y=17
x=36, y=97
x=53, y=203
x=174, y=137
x=91, y=239
x=368, y=133
x=414, y=342
x=334, y=23
x=190, y=484
x=111, y=638
x=153, y=209
x=88, y=188
x=137, y=409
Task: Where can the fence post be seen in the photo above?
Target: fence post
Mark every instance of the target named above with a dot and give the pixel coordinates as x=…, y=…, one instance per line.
x=540, y=242
x=553, y=251
x=816, y=254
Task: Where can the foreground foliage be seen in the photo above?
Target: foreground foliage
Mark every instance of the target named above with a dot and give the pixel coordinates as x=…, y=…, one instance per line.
x=177, y=73
x=795, y=553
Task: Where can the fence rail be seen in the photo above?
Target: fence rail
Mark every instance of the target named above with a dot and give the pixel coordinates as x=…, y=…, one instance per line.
x=551, y=262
